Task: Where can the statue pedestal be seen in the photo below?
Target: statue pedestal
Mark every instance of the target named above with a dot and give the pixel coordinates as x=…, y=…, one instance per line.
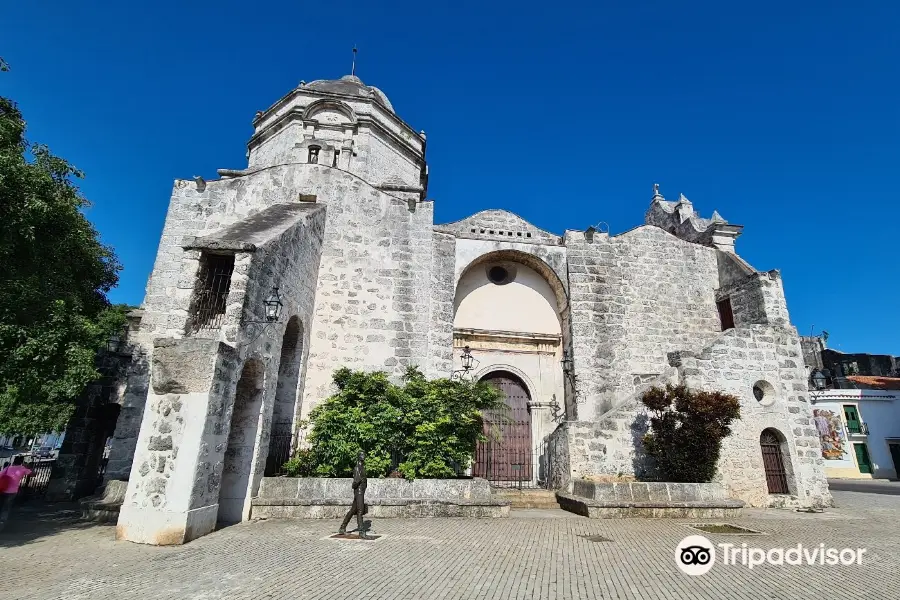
x=354, y=537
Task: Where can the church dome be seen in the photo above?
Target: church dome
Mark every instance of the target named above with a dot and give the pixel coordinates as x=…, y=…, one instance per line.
x=349, y=85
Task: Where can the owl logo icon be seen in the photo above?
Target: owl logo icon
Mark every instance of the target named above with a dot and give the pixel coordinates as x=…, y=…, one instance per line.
x=695, y=555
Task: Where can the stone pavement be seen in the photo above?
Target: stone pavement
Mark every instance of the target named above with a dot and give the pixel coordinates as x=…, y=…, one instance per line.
x=530, y=555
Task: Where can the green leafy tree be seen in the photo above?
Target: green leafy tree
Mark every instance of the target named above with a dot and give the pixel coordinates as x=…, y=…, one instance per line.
x=424, y=429
x=686, y=431
x=54, y=277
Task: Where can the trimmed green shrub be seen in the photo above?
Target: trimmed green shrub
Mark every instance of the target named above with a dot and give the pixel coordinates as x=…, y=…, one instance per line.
x=686, y=431
x=421, y=429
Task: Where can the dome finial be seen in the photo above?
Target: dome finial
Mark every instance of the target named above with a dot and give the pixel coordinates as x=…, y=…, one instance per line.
x=353, y=68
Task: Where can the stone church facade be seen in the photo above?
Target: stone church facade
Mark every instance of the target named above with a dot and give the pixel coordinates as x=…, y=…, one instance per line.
x=332, y=211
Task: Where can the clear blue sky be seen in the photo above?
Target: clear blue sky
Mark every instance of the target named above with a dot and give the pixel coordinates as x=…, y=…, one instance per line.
x=783, y=116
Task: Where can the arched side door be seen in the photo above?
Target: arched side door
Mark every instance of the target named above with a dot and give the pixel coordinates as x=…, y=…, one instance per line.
x=506, y=456
x=773, y=463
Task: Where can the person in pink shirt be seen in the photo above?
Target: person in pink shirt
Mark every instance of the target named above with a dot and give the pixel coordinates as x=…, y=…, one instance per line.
x=10, y=477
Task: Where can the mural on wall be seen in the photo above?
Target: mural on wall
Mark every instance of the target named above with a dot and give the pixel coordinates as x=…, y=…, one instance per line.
x=831, y=431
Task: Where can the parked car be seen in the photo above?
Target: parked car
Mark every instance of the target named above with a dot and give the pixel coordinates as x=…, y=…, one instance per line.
x=44, y=452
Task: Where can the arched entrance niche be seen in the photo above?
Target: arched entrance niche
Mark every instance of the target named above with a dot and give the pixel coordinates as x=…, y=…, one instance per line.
x=511, y=310
x=286, y=392
x=244, y=432
x=507, y=456
x=776, y=461
x=476, y=275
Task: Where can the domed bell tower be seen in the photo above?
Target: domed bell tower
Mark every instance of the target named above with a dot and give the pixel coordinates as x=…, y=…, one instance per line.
x=341, y=124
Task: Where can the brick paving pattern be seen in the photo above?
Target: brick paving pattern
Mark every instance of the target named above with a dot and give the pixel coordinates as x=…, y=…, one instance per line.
x=526, y=556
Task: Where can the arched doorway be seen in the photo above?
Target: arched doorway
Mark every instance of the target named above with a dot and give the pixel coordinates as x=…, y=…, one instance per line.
x=773, y=462
x=281, y=436
x=234, y=490
x=506, y=458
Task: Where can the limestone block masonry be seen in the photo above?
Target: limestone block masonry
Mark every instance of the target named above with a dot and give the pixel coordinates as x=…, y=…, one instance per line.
x=650, y=500
x=332, y=210
x=330, y=498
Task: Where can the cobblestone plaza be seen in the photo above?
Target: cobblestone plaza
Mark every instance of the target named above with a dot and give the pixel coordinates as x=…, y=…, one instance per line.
x=533, y=554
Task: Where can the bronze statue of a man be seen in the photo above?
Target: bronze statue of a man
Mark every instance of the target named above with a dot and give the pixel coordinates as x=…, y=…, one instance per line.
x=358, y=507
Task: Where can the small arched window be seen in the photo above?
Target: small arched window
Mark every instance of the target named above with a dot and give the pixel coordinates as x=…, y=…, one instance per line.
x=337, y=155
x=313, y=155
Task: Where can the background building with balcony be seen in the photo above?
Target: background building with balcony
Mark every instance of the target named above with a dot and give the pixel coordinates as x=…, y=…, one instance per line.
x=856, y=410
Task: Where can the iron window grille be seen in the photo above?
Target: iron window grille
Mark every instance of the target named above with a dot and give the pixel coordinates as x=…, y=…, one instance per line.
x=211, y=296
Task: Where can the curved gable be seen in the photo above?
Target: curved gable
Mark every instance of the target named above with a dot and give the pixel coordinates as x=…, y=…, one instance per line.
x=330, y=112
x=499, y=225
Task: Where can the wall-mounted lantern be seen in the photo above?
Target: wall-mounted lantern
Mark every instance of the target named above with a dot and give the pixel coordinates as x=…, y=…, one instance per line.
x=468, y=363
x=273, y=305
x=568, y=367
x=467, y=359
x=557, y=413
x=118, y=340
x=819, y=380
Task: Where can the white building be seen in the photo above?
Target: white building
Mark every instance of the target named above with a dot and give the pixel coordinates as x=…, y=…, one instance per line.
x=860, y=431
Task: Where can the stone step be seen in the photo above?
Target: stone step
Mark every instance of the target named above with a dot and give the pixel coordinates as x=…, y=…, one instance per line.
x=537, y=505
x=531, y=498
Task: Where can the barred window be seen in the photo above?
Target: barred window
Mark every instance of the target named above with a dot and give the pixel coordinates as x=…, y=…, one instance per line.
x=211, y=292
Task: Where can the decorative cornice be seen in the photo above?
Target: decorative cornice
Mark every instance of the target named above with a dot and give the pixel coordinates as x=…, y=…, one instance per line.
x=849, y=394
x=399, y=187
x=296, y=115
x=540, y=338
x=319, y=95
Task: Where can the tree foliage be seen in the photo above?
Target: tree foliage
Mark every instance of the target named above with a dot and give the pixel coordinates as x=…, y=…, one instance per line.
x=687, y=429
x=424, y=429
x=54, y=276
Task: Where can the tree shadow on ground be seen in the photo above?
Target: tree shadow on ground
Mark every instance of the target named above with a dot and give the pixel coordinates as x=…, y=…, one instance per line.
x=32, y=520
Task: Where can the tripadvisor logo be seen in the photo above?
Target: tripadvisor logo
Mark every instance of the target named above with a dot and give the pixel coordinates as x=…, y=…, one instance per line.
x=696, y=555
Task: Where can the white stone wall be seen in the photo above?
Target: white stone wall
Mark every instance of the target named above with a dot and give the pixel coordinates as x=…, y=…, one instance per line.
x=382, y=160
x=639, y=297
x=197, y=211
x=373, y=292
x=443, y=293
x=634, y=298
x=738, y=360
x=188, y=436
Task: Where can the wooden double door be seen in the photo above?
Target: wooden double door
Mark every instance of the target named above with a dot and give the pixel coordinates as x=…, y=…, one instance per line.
x=507, y=455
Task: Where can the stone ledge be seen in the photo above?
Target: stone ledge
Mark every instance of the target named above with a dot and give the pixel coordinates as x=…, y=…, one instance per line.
x=383, y=509
x=100, y=512
x=345, y=502
x=661, y=492
x=104, y=506
x=610, y=509
x=280, y=488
